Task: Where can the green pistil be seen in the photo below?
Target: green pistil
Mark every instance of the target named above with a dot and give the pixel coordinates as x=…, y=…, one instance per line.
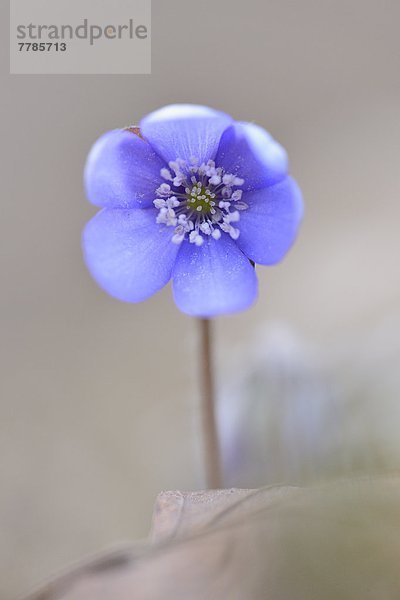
x=200, y=199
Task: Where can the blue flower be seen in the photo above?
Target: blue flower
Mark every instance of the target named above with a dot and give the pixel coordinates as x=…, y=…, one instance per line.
x=192, y=196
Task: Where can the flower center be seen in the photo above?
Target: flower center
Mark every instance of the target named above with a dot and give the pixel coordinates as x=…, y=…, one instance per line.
x=198, y=201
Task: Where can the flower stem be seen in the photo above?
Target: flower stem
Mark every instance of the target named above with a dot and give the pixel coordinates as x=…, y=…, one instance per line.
x=210, y=434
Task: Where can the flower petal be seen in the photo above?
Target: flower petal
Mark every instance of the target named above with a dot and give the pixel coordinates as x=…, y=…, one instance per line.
x=269, y=226
x=185, y=131
x=122, y=171
x=215, y=278
x=250, y=152
x=129, y=255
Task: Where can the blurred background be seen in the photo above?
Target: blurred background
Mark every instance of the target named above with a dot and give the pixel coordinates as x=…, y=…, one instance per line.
x=97, y=414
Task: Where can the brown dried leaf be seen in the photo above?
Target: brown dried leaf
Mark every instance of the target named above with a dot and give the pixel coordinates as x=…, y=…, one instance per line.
x=339, y=540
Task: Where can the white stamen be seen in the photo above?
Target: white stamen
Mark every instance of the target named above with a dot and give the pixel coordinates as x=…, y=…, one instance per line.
x=179, y=235
x=232, y=217
x=241, y=206
x=205, y=228
x=228, y=179
x=166, y=174
x=195, y=238
x=172, y=202
x=178, y=180
x=177, y=239
x=164, y=189
x=237, y=195
x=226, y=192
x=173, y=164
x=224, y=205
x=159, y=203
